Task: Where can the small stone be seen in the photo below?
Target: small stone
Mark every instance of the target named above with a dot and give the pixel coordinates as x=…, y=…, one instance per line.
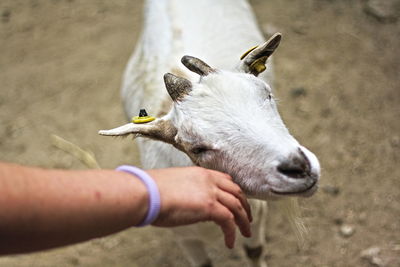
x=338, y=221
x=300, y=27
x=376, y=261
x=347, y=230
x=5, y=15
x=331, y=190
x=384, y=11
x=370, y=252
x=395, y=141
x=372, y=256
x=299, y=91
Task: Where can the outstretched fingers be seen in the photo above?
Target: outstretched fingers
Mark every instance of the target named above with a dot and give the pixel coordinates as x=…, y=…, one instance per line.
x=232, y=188
x=225, y=219
x=235, y=207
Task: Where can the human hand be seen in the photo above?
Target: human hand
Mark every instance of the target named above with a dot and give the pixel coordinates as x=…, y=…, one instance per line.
x=193, y=194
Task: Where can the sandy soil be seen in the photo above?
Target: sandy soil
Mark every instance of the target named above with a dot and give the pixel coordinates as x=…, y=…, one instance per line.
x=337, y=73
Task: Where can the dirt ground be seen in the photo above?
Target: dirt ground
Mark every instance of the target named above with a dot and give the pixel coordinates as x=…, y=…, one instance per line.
x=337, y=78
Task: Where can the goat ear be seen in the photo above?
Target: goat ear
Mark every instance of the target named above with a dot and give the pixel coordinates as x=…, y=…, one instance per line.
x=197, y=65
x=253, y=61
x=177, y=87
x=160, y=129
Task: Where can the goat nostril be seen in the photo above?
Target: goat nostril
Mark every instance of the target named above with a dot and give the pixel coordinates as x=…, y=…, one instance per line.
x=292, y=171
x=297, y=166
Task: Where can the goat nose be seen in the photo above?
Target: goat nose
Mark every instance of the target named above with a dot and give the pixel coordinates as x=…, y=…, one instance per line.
x=297, y=166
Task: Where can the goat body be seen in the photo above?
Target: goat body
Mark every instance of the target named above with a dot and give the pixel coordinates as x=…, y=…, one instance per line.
x=256, y=150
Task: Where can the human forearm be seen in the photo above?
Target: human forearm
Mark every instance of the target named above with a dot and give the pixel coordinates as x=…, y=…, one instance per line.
x=42, y=209
x=47, y=208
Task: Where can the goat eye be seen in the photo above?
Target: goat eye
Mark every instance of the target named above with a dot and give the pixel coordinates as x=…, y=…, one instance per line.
x=199, y=149
x=269, y=97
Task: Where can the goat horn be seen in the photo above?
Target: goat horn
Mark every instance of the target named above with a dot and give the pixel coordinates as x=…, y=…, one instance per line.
x=177, y=87
x=196, y=65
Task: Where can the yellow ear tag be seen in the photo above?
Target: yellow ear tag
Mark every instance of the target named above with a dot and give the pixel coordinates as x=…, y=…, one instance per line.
x=143, y=117
x=258, y=65
x=247, y=52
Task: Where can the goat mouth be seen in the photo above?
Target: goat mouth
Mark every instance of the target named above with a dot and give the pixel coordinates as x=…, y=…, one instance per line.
x=300, y=192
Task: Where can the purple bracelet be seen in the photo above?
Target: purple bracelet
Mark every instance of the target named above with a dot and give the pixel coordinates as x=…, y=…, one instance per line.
x=154, y=194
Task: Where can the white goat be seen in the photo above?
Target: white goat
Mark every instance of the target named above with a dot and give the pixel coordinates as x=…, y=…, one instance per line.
x=227, y=120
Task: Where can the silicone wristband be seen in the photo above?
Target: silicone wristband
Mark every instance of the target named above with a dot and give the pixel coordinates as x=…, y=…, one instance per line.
x=154, y=194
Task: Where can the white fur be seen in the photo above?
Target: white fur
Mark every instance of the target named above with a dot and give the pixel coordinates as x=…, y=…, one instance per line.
x=229, y=111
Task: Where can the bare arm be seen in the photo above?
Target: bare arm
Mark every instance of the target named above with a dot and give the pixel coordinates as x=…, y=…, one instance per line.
x=42, y=209
x=45, y=208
